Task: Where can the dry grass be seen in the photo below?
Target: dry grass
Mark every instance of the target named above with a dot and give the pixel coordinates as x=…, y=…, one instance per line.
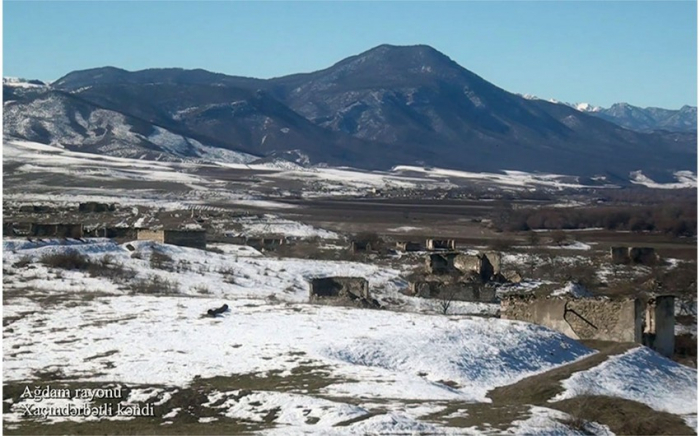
x=623, y=417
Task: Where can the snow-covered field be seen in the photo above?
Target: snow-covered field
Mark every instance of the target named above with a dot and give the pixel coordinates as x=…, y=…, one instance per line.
x=272, y=225
x=373, y=371
x=684, y=179
x=97, y=330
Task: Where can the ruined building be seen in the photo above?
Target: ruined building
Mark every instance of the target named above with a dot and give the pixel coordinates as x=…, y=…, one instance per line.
x=647, y=320
x=440, y=244
x=633, y=255
x=341, y=290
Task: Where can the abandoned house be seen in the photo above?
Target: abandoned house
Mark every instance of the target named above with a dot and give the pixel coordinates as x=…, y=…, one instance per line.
x=633, y=255
x=143, y=234
x=478, y=264
x=120, y=233
x=360, y=247
x=93, y=206
x=34, y=208
x=265, y=243
x=440, y=244
x=455, y=262
x=74, y=231
x=409, y=246
x=648, y=320
x=441, y=263
x=339, y=290
x=186, y=238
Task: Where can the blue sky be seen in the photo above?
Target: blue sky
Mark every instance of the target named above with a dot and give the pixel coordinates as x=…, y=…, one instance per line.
x=644, y=53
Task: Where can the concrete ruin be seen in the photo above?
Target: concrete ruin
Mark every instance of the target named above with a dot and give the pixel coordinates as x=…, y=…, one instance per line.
x=478, y=264
x=409, y=246
x=633, y=255
x=74, y=231
x=644, y=320
x=441, y=263
x=341, y=290
x=267, y=243
x=440, y=244
x=186, y=238
x=34, y=208
x=360, y=247
x=453, y=290
x=142, y=234
x=455, y=263
x=95, y=207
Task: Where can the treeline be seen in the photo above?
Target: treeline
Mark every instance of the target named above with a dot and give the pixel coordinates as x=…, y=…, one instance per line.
x=678, y=219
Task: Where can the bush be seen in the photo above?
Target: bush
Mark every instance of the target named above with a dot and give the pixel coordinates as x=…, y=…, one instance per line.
x=161, y=260
x=70, y=259
x=23, y=262
x=154, y=284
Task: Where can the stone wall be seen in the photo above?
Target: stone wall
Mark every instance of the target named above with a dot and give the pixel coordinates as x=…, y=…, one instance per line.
x=150, y=235
x=186, y=238
x=622, y=320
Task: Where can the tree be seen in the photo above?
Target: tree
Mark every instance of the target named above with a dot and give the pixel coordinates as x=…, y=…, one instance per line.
x=533, y=239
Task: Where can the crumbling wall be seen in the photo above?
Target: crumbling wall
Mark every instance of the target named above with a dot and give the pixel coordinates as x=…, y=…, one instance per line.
x=619, y=255
x=150, y=235
x=93, y=206
x=643, y=255
x=453, y=290
x=440, y=244
x=121, y=232
x=8, y=229
x=360, y=246
x=638, y=255
x=74, y=231
x=475, y=264
x=440, y=263
x=409, y=246
x=339, y=287
x=186, y=238
x=658, y=324
x=264, y=243
x=585, y=318
x=495, y=260
x=648, y=321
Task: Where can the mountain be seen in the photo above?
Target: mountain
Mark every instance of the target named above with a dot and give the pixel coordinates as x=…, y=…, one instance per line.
x=645, y=119
x=390, y=105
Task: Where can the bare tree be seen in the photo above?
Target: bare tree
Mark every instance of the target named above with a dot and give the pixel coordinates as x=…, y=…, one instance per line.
x=446, y=299
x=533, y=238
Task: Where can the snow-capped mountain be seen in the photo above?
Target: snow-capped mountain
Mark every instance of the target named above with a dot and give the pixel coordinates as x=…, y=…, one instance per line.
x=391, y=105
x=635, y=117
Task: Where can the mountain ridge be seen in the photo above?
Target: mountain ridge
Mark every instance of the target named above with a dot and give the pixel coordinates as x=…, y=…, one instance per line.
x=386, y=106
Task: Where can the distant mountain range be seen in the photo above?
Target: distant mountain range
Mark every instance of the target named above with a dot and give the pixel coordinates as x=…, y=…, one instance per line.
x=647, y=119
x=388, y=106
